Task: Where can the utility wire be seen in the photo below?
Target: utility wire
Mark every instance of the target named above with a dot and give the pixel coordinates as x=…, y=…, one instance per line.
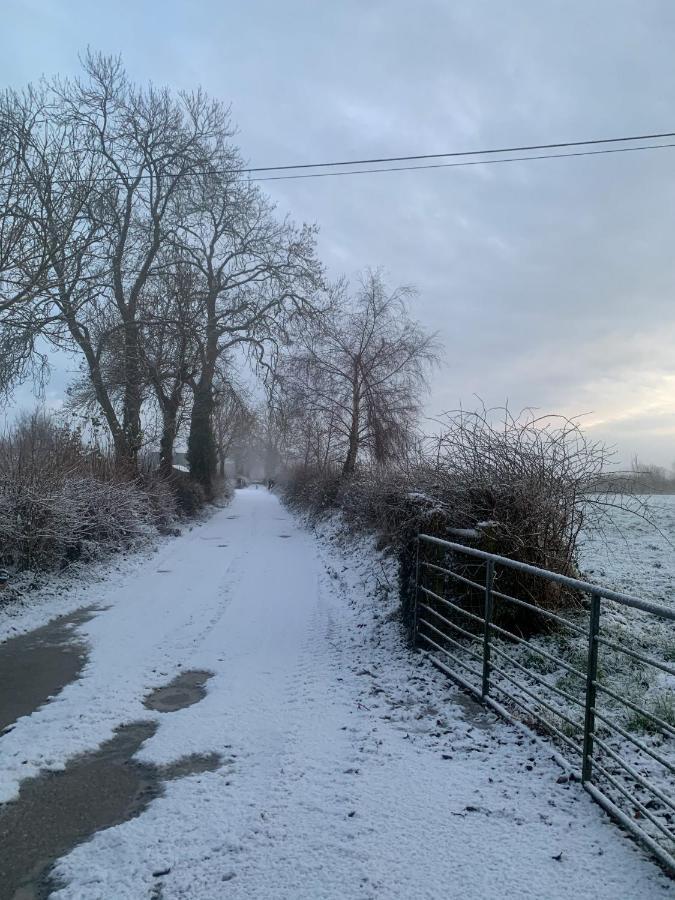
x=377, y=161
x=470, y=162
x=388, y=159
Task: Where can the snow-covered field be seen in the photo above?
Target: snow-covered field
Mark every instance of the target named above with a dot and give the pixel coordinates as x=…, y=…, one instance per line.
x=636, y=556
x=349, y=767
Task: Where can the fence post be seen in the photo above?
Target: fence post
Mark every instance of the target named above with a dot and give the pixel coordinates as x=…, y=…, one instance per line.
x=591, y=676
x=489, y=579
x=417, y=584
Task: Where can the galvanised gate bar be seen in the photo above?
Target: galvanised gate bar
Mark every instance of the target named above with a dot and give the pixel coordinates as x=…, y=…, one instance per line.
x=458, y=629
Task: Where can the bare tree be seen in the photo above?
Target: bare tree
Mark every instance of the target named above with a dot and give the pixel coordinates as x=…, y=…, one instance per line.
x=147, y=143
x=647, y=478
x=108, y=163
x=170, y=348
x=259, y=273
x=44, y=234
x=106, y=188
x=233, y=419
x=361, y=371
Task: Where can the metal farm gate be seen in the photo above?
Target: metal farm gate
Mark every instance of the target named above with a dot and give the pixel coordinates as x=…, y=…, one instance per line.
x=470, y=627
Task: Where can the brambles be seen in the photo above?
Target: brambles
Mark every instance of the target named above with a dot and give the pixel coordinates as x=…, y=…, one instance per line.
x=532, y=482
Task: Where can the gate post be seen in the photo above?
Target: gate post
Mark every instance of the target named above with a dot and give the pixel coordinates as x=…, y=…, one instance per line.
x=417, y=585
x=591, y=676
x=489, y=580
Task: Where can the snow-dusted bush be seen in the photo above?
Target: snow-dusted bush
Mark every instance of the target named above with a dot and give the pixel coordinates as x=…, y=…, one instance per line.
x=190, y=496
x=59, y=501
x=45, y=522
x=312, y=489
x=223, y=491
x=163, y=501
x=534, y=479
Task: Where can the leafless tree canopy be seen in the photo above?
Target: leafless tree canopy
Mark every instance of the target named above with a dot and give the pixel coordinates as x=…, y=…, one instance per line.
x=129, y=235
x=356, y=378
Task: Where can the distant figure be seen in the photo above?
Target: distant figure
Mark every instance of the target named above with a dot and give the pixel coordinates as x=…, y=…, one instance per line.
x=270, y=484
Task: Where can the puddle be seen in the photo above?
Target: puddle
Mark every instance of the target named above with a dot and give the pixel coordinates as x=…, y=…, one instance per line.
x=36, y=666
x=474, y=712
x=56, y=811
x=185, y=689
x=191, y=765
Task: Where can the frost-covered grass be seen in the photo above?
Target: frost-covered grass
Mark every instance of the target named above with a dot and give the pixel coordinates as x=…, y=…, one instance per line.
x=635, y=556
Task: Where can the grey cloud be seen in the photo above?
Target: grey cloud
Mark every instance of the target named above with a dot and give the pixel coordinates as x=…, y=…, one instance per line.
x=550, y=282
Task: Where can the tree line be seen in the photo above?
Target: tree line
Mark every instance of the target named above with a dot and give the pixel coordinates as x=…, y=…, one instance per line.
x=131, y=235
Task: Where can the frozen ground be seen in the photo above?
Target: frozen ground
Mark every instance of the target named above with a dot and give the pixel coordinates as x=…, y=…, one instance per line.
x=636, y=556
x=33, y=598
x=349, y=768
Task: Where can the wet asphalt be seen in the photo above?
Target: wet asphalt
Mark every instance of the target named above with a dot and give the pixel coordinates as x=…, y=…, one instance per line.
x=56, y=811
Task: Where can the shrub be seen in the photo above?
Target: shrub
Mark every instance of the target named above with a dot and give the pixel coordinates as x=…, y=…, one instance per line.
x=61, y=501
x=189, y=495
x=534, y=479
x=223, y=491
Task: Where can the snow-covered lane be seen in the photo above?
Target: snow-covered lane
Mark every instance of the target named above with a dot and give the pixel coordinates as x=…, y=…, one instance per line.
x=151, y=624
x=350, y=768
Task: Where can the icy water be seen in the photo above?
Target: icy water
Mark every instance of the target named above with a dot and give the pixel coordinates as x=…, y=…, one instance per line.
x=186, y=689
x=58, y=810
x=34, y=667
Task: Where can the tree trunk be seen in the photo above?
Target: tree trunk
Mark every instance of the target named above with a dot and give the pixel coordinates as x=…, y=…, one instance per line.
x=350, y=461
x=201, y=444
x=201, y=440
x=120, y=443
x=353, y=450
x=133, y=393
x=169, y=425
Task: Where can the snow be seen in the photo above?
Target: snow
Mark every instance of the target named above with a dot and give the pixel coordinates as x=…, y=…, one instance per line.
x=636, y=555
x=633, y=554
x=350, y=767
x=34, y=598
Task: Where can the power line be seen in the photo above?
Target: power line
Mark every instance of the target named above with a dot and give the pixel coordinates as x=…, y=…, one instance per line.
x=337, y=165
x=470, y=162
x=388, y=159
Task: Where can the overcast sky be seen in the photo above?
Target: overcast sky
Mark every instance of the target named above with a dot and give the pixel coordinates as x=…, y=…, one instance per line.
x=551, y=282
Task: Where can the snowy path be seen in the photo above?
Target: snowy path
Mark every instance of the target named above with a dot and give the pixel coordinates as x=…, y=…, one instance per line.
x=349, y=768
